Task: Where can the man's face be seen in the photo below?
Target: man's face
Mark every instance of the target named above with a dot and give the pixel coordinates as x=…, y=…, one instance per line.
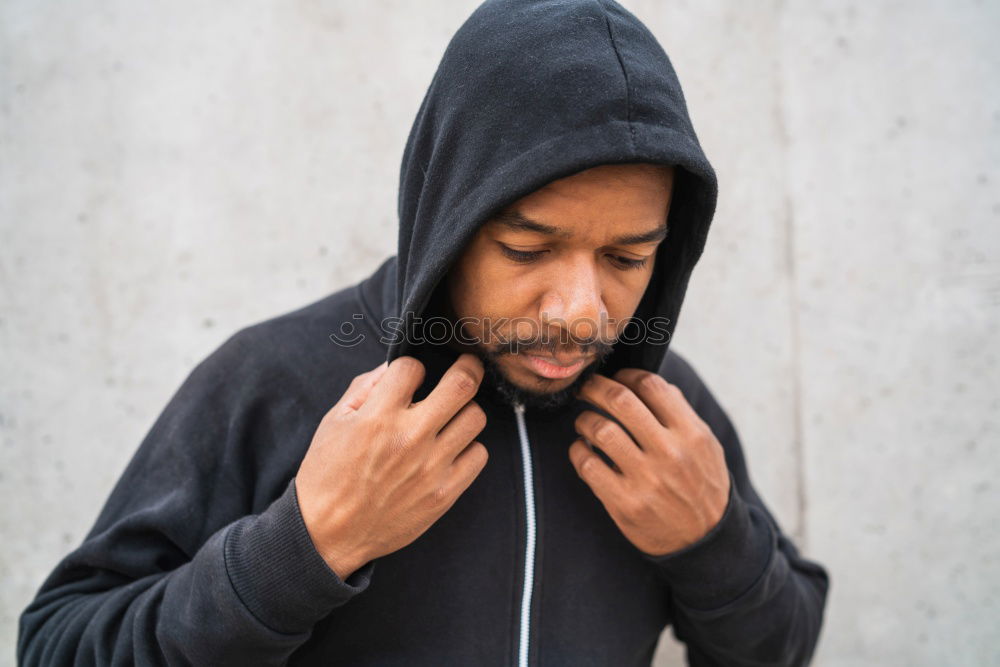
x=545, y=287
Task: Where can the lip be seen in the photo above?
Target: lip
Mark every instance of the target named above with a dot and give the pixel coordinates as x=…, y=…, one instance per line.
x=547, y=367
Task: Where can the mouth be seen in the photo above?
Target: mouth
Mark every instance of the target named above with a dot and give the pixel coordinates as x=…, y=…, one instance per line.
x=554, y=369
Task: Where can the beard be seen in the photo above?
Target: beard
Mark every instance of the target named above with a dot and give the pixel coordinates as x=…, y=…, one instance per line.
x=495, y=377
x=530, y=398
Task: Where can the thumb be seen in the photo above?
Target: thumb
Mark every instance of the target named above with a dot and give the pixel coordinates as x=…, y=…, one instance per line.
x=359, y=389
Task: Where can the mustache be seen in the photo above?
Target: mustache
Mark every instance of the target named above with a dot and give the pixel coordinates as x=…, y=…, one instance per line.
x=597, y=348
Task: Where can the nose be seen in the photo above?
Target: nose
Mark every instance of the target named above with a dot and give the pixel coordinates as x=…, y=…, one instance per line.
x=573, y=302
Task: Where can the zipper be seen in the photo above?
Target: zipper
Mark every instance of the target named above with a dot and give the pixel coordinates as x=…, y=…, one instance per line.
x=529, y=545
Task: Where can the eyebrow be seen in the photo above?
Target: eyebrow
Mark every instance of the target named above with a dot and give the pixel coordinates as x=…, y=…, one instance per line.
x=517, y=221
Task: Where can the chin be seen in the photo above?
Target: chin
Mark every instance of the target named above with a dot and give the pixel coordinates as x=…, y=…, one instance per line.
x=547, y=385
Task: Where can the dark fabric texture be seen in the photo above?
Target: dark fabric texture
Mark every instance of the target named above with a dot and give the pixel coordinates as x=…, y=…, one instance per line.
x=200, y=555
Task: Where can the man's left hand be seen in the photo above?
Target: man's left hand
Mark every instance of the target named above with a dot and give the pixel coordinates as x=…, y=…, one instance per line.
x=669, y=485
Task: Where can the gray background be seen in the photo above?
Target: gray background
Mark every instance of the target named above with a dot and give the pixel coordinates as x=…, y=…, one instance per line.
x=174, y=171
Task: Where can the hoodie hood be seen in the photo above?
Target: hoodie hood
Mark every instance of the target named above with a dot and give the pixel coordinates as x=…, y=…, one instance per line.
x=527, y=92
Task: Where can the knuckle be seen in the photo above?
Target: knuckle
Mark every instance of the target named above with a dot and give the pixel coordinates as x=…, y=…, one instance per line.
x=422, y=425
x=604, y=431
x=637, y=504
x=408, y=365
x=676, y=455
x=703, y=434
x=619, y=397
x=478, y=417
x=661, y=487
x=644, y=502
x=587, y=466
x=482, y=456
x=440, y=496
x=331, y=415
x=426, y=468
x=651, y=382
x=465, y=382
x=473, y=410
x=629, y=507
x=653, y=481
x=367, y=424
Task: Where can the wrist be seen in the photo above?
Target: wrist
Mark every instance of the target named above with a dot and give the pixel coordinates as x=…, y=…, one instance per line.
x=331, y=539
x=343, y=559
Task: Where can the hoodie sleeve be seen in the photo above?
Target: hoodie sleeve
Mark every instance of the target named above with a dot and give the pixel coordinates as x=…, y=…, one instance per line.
x=742, y=594
x=177, y=568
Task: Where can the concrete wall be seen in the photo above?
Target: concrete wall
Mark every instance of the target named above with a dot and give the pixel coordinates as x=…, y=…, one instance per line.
x=173, y=171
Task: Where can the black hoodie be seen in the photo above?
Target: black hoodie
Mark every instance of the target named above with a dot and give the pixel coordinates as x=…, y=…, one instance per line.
x=200, y=555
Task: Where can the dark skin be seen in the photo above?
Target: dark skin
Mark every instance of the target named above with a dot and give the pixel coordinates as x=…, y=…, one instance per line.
x=578, y=266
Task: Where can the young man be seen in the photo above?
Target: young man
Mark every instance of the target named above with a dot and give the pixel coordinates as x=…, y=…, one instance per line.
x=515, y=468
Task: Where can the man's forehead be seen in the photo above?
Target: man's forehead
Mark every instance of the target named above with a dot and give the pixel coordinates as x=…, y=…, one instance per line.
x=513, y=219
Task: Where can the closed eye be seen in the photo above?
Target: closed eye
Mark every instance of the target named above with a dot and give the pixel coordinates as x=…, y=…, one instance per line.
x=528, y=256
x=521, y=256
x=626, y=263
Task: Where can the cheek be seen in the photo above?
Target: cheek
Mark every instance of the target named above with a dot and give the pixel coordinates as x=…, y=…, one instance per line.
x=624, y=292
x=478, y=287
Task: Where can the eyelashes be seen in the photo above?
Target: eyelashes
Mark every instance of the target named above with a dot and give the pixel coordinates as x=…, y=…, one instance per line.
x=629, y=263
x=529, y=256
x=521, y=256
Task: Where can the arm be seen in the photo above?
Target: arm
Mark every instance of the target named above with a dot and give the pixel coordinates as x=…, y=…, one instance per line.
x=177, y=569
x=742, y=594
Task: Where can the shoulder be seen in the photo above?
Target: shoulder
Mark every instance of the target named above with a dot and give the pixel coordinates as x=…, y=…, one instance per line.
x=678, y=370
x=323, y=344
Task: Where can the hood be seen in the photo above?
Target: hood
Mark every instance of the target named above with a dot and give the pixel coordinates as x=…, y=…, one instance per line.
x=528, y=92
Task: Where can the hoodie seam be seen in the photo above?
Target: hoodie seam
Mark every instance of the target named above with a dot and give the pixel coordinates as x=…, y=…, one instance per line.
x=621, y=64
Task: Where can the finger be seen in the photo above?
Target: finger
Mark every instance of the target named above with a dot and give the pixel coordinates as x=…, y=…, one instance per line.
x=618, y=401
x=602, y=480
x=612, y=439
x=461, y=430
x=665, y=400
x=467, y=466
x=399, y=382
x=456, y=388
x=360, y=388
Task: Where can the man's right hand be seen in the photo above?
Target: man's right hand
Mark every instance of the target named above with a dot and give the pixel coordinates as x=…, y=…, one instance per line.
x=381, y=469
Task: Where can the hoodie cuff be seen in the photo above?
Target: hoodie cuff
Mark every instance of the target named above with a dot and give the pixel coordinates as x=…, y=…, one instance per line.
x=725, y=562
x=278, y=573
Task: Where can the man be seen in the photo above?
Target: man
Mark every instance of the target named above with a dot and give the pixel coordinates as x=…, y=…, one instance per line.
x=542, y=483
